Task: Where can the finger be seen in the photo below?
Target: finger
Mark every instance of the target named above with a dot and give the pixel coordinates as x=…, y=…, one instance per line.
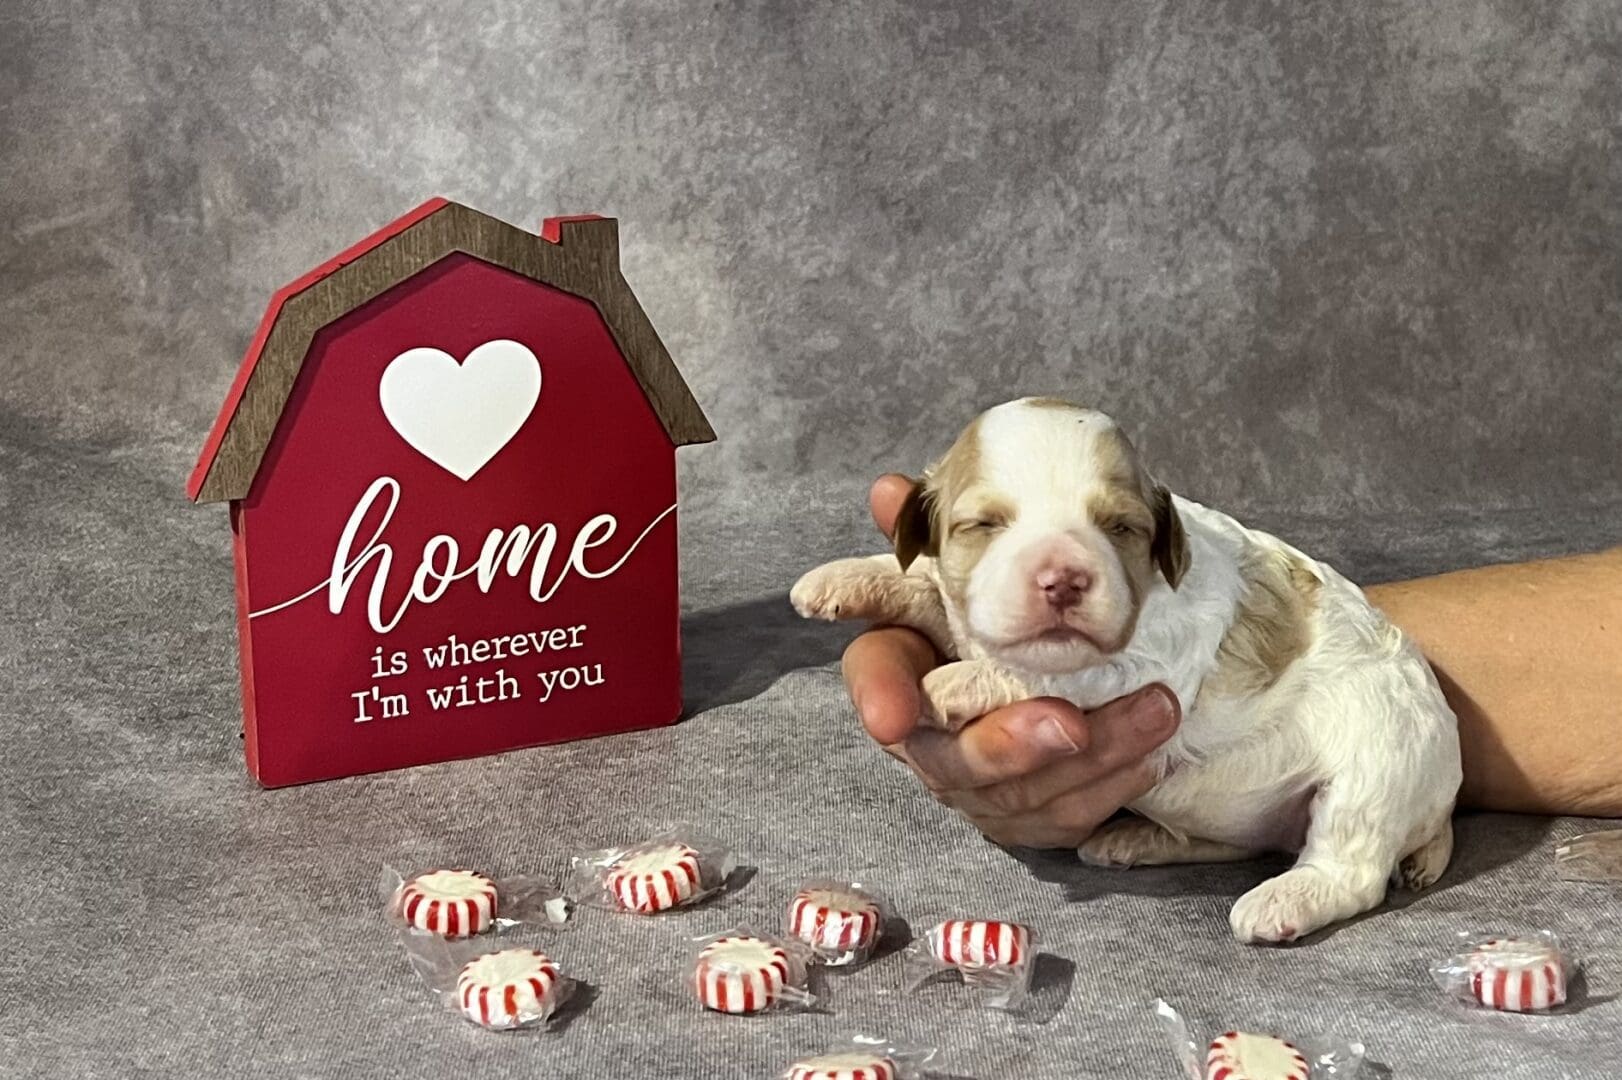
x=1071, y=818
x=885, y=498
x=1016, y=741
x=1119, y=739
x=882, y=670
x=1010, y=742
x=1055, y=785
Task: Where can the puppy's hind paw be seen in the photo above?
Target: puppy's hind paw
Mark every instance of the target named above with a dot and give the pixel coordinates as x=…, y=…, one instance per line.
x=1279, y=910
x=1294, y=904
x=1138, y=842
x=1424, y=866
x=1119, y=844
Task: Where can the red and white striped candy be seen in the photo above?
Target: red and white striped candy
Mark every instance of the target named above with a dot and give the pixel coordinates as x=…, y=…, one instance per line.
x=1516, y=975
x=508, y=988
x=834, y=920
x=846, y=1066
x=740, y=974
x=978, y=943
x=455, y=903
x=1239, y=1055
x=656, y=879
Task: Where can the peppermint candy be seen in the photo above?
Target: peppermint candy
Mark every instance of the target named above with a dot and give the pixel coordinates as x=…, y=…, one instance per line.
x=1517, y=975
x=655, y=879
x=508, y=989
x=741, y=974
x=839, y=923
x=975, y=944
x=452, y=903
x=1241, y=1055
x=846, y=1066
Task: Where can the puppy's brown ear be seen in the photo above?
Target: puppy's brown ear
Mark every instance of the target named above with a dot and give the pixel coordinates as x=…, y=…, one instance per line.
x=915, y=526
x=1170, y=547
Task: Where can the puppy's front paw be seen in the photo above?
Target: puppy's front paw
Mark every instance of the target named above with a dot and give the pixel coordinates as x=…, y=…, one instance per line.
x=842, y=589
x=959, y=692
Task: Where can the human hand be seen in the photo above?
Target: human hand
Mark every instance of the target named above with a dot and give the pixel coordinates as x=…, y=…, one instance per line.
x=1038, y=773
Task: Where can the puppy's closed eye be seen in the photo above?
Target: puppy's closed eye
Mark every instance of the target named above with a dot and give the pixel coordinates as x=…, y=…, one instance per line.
x=986, y=525
x=1122, y=528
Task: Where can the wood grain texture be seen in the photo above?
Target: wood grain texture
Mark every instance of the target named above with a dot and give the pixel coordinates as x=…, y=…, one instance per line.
x=584, y=262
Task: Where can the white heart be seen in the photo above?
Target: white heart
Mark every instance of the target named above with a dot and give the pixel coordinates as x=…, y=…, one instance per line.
x=460, y=415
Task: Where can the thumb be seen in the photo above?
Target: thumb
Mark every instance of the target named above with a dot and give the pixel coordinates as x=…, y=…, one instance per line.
x=1126, y=730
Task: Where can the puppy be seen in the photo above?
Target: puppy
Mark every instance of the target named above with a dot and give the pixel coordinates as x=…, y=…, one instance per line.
x=1045, y=560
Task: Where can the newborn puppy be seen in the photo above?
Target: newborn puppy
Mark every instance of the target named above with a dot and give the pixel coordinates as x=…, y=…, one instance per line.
x=1045, y=560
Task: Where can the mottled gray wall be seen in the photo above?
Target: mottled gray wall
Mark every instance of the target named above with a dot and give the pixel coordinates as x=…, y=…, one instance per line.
x=1327, y=257
x=1350, y=266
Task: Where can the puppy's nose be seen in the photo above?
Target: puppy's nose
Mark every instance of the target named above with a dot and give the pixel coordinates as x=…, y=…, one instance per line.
x=1062, y=586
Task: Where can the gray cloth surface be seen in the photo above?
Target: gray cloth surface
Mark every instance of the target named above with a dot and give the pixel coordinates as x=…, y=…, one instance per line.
x=1348, y=270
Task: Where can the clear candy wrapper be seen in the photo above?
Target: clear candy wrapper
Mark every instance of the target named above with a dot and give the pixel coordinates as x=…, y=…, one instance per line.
x=743, y=973
x=1233, y=1054
x=1510, y=973
x=841, y=921
x=673, y=870
x=457, y=903
x=862, y=1059
x=1595, y=856
x=995, y=960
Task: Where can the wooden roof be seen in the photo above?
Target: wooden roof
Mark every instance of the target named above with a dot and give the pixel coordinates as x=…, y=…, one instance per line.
x=579, y=255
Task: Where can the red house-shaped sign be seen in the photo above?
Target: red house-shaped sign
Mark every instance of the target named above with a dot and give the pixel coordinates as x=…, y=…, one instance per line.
x=450, y=459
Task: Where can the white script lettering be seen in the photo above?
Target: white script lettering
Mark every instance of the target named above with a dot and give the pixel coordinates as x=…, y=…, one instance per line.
x=504, y=551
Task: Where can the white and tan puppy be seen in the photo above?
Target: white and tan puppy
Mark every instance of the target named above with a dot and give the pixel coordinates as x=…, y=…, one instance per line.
x=1044, y=559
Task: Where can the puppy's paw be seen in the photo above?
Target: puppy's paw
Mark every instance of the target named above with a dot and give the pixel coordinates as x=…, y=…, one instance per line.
x=1293, y=905
x=843, y=589
x=959, y=692
x=1281, y=909
x=1140, y=842
x=1422, y=868
x=1119, y=844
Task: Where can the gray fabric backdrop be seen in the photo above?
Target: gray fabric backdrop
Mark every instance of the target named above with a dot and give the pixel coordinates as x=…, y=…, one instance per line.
x=1349, y=270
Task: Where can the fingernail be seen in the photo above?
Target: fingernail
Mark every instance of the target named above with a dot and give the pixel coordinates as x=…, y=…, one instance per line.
x=1155, y=713
x=1051, y=735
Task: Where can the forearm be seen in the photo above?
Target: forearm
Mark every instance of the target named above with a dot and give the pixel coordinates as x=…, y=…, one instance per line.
x=1530, y=656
